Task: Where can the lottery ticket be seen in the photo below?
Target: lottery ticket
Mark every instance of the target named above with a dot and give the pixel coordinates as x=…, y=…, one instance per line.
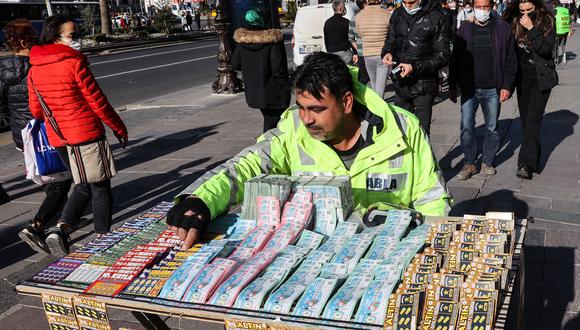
x=279, y=240
x=301, y=197
x=252, y=297
x=341, y=306
x=334, y=270
x=85, y=274
x=310, y=240
x=405, y=314
x=373, y=305
x=177, y=285
x=56, y=271
x=204, y=284
x=367, y=266
x=381, y=248
x=91, y=314
x=333, y=244
x=228, y=290
x=353, y=250
x=315, y=297
x=268, y=211
x=242, y=254
x=347, y=229
x=59, y=311
x=281, y=300
x=298, y=214
x=257, y=238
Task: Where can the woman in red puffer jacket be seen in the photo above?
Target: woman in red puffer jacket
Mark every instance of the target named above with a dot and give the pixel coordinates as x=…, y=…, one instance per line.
x=62, y=77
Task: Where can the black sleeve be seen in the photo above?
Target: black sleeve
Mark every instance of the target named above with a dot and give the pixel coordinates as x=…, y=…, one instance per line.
x=510, y=63
x=459, y=51
x=441, y=50
x=543, y=45
x=389, y=45
x=325, y=30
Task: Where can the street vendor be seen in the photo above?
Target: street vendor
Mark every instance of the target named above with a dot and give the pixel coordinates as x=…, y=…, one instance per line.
x=337, y=127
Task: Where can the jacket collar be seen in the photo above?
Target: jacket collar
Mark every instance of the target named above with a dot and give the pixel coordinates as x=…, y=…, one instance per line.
x=52, y=53
x=245, y=36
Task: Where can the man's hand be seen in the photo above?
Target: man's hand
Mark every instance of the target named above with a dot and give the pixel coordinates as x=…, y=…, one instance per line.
x=188, y=219
x=388, y=59
x=452, y=93
x=406, y=69
x=504, y=95
x=123, y=140
x=526, y=22
x=354, y=59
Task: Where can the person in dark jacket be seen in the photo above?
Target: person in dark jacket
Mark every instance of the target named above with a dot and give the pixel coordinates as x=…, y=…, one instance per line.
x=533, y=26
x=337, y=35
x=418, y=44
x=20, y=37
x=261, y=56
x=484, y=66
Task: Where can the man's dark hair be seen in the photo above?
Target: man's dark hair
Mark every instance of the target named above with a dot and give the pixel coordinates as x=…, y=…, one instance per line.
x=51, y=30
x=323, y=72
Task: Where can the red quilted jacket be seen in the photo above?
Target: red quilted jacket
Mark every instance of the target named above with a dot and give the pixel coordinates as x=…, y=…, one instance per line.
x=67, y=85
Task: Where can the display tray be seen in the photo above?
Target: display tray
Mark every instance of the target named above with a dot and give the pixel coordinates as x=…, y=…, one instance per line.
x=217, y=314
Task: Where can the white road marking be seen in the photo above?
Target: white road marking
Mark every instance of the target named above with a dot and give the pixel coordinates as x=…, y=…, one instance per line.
x=156, y=67
x=155, y=54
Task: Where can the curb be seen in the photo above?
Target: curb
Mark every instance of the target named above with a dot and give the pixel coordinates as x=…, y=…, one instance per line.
x=137, y=44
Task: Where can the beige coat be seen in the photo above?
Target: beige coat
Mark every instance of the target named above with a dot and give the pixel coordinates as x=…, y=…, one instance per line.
x=372, y=24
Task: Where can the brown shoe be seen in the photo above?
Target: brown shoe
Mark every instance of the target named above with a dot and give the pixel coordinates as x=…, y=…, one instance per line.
x=467, y=171
x=488, y=169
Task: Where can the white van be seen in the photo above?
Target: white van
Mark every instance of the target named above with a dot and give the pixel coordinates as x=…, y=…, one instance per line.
x=308, y=34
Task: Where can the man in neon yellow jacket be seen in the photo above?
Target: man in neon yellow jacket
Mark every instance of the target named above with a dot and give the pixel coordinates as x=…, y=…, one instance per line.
x=337, y=127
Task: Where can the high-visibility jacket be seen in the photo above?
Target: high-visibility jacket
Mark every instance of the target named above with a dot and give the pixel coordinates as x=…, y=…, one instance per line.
x=397, y=167
x=562, y=21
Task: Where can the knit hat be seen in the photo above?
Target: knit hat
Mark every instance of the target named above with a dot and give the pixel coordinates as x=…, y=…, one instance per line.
x=254, y=18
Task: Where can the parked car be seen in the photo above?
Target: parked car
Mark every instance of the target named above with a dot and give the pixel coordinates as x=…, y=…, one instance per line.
x=308, y=34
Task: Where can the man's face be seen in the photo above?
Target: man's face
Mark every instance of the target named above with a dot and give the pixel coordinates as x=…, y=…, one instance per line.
x=482, y=4
x=410, y=4
x=323, y=118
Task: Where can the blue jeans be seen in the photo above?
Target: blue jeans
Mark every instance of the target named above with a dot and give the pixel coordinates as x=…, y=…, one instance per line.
x=489, y=100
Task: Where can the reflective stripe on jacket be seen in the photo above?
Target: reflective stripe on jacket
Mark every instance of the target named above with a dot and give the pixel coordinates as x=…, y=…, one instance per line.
x=398, y=167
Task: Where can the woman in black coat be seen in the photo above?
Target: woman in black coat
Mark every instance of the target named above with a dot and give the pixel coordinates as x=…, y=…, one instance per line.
x=533, y=26
x=261, y=56
x=20, y=37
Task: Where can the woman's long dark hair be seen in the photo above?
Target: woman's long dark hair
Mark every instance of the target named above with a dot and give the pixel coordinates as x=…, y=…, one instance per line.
x=544, y=20
x=51, y=30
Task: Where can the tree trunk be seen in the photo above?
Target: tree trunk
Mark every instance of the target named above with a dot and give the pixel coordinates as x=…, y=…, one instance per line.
x=105, y=17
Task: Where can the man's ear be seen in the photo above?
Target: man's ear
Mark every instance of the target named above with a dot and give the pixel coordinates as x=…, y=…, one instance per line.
x=347, y=102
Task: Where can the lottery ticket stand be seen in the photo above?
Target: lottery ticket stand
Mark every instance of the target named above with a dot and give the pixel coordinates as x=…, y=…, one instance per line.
x=147, y=311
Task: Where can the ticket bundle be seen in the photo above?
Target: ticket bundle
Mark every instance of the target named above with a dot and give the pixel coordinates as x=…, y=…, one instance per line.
x=56, y=271
x=277, y=186
x=207, y=280
x=315, y=297
x=227, y=292
x=342, y=305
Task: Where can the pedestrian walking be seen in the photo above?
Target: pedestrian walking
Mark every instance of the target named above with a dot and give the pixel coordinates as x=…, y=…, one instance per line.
x=184, y=25
x=61, y=85
x=372, y=24
x=189, y=20
x=465, y=14
x=417, y=47
x=20, y=38
x=483, y=67
x=337, y=38
x=363, y=75
x=534, y=29
x=261, y=56
x=197, y=19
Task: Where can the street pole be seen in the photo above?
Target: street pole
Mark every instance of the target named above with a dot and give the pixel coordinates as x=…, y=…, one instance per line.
x=227, y=80
x=48, y=7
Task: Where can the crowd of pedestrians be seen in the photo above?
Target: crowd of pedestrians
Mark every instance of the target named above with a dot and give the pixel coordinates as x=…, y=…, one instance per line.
x=487, y=50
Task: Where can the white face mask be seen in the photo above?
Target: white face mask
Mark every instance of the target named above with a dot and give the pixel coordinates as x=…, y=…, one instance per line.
x=452, y=5
x=481, y=15
x=413, y=10
x=72, y=43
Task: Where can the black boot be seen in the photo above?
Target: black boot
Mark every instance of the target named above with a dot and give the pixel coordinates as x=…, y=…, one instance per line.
x=524, y=172
x=4, y=197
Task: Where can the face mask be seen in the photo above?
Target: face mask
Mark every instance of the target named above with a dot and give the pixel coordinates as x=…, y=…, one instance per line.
x=74, y=44
x=481, y=15
x=532, y=15
x=413, y=10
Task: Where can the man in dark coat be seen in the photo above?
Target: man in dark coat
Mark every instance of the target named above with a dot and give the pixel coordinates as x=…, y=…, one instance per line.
x=418, y=44
x=261, y=56
x=484, y=66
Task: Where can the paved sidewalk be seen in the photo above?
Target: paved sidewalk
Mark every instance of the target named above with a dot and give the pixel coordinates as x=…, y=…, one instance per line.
x=171, y=146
